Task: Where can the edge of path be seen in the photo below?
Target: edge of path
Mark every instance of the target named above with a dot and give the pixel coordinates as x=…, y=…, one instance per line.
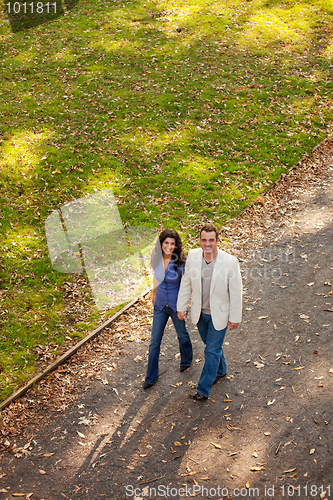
x=22, y=390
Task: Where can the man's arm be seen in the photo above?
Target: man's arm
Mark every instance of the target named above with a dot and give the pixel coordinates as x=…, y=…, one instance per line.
x=235, y=294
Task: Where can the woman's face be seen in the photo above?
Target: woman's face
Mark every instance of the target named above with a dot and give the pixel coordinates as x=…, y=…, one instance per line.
x=168, y=246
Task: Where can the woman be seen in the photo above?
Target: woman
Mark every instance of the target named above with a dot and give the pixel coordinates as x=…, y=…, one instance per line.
x=168, y=263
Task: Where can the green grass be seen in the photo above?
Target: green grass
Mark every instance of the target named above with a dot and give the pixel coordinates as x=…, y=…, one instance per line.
x=187, y=110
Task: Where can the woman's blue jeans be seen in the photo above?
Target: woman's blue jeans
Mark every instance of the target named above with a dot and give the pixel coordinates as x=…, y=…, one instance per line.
x=215, y=364
x=160, y=319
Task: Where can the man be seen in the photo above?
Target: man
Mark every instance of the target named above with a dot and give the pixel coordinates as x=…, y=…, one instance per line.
x=213, y=279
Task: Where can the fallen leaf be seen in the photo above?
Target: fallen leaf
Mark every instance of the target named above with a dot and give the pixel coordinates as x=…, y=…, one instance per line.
x=81, y=435
x=304, y=316
x=289, y=470
x=299, y=368
x=257, y=468
x=48, y=454
x=41, y=471
x=219, y=447
x=312, y=451
x=258, y=365
x=263, y=317
x=177, y=443
x=83, y=421
x=271, y=402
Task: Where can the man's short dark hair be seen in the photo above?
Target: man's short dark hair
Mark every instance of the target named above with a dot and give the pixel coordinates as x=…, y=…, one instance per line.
x=210, y=228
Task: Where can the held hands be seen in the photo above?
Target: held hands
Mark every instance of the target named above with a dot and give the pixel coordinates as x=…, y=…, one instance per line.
x=232, y=326
x=181, y=315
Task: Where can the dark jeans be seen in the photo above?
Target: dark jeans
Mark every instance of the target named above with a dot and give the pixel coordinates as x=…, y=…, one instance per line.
x=160, y=319
x=214, y=357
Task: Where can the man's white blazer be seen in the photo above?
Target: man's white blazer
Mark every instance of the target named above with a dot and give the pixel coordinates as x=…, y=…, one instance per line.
x=225, y=289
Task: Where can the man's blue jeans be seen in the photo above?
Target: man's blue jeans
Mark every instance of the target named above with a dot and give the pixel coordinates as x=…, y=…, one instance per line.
x=215, y=364
x=160, y=319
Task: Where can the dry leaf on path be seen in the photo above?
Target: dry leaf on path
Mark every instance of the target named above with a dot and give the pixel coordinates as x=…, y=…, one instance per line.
x=219, y=447
x=257, y=468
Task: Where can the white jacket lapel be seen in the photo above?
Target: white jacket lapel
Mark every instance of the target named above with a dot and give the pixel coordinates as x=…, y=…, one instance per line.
x=217, y=270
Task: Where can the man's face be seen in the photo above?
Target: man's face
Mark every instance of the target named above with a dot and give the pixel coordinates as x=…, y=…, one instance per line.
x=209, y=242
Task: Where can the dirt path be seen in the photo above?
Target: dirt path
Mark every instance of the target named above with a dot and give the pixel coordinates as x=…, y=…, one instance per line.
x=89, y=431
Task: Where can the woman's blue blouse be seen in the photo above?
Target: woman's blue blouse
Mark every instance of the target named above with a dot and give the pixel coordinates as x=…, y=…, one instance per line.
x=169, y=283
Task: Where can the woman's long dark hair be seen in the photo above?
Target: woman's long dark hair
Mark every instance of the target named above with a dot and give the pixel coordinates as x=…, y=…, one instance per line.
x=178, y=255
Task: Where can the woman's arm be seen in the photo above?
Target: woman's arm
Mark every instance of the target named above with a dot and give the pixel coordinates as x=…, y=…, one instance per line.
x=155, y=285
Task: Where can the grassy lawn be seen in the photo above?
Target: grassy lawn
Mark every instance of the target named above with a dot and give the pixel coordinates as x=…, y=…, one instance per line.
x=186, y=110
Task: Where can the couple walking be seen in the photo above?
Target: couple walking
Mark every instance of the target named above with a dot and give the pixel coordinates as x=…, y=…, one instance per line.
x=212, y=278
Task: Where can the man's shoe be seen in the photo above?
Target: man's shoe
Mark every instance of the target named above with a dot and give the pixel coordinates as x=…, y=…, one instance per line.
x=218, y=378
x=182, y=368
x=198, y=397
x=145, y=385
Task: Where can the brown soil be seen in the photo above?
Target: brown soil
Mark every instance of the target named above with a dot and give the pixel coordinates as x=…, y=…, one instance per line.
x=89, y=431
